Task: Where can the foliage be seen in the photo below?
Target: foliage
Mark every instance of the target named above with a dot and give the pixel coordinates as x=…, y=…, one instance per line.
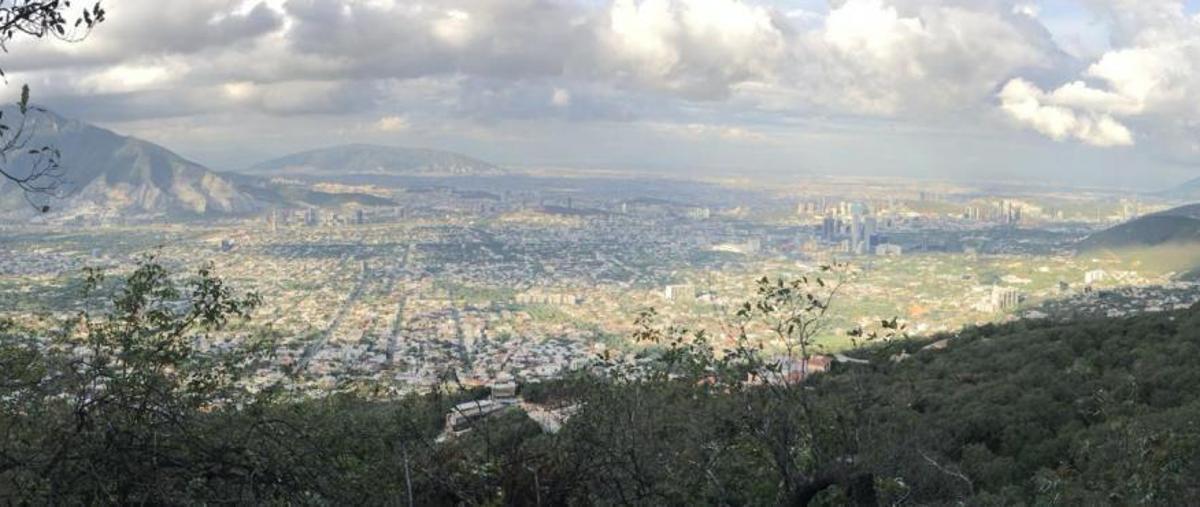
x=129, y=406
x=107, y=410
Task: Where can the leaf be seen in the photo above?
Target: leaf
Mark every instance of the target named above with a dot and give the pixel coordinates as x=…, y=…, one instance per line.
x=24, y=99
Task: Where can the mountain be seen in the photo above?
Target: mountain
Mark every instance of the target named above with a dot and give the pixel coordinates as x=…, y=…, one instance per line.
x=1167, y=241
x=106, y=171
x=1177, y=225
x=289, y=194
x=358, y=159
x=1187, y=191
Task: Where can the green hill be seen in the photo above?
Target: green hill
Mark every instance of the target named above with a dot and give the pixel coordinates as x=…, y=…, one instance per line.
x=1168, y=241
x=1177, y=225
x=1151, y=230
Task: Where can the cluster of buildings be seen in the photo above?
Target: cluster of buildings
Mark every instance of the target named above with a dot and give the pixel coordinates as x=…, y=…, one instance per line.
x=1004, y=212
x=487, y=284
x=542, y=297
x=1001, y=299
x=855, y=228
x=680, y=292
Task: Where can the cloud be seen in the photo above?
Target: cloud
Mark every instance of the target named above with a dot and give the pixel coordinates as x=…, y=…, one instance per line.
x=1032, y=107
x=718, y=71
x=1142, y=22
x=301, y=97
x=901, y=58
x=392, y=124
x=137, y=29
x=698, y=48
x=560, y=98
x=916, y=59
x=403, y=39
x=706, y=132
x=1151, y=81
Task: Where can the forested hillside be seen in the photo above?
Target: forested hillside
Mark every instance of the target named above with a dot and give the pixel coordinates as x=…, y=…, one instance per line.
x=123, y=407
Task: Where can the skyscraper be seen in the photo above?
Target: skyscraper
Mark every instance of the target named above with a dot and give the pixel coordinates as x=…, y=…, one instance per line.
x=856, y=233
x=829, y=228
x=870, y=231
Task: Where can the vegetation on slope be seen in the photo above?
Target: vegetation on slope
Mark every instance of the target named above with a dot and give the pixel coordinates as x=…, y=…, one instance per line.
x=1166, y=241
x=127, y=406
x=1151, y=230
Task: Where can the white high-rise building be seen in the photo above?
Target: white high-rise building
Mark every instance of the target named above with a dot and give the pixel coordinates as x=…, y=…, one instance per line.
x=680, y=292
x=1004, y=298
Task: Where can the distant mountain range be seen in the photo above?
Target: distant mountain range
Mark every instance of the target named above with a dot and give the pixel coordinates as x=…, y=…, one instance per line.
x=109, y=173
x=368, y=159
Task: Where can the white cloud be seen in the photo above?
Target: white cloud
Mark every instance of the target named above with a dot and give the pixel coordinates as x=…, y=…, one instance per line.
x=1027, y=9
x=894, y=58
x=873, y=28
x=455, y=28
x=126, y=78
x=293, y=97
x=703, y=70
x=560, y=98
x=1030, y=106
x=698, y=48
x=897, y=59
x=1152, y=81
x=392, y=124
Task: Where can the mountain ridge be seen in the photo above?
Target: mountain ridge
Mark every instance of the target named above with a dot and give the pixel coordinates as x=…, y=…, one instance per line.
x=1175, y=225
x=110, y=172
x=1167, y=241
x=373, y=159
x=1186, y=191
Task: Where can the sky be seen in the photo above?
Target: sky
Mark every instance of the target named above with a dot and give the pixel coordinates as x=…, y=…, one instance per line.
x=1089, y=92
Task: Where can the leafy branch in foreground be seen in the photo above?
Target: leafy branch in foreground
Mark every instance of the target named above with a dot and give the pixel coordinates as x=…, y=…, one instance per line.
x=110, y=409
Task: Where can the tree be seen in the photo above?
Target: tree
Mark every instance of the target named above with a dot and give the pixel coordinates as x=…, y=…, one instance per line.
x=119, y=407
x=35, y=170
x=748, y=411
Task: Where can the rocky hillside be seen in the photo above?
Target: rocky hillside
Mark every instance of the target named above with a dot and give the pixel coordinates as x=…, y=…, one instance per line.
x=108, y=172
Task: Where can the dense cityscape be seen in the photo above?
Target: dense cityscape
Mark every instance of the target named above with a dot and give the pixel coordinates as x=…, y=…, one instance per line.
x=531, y=284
